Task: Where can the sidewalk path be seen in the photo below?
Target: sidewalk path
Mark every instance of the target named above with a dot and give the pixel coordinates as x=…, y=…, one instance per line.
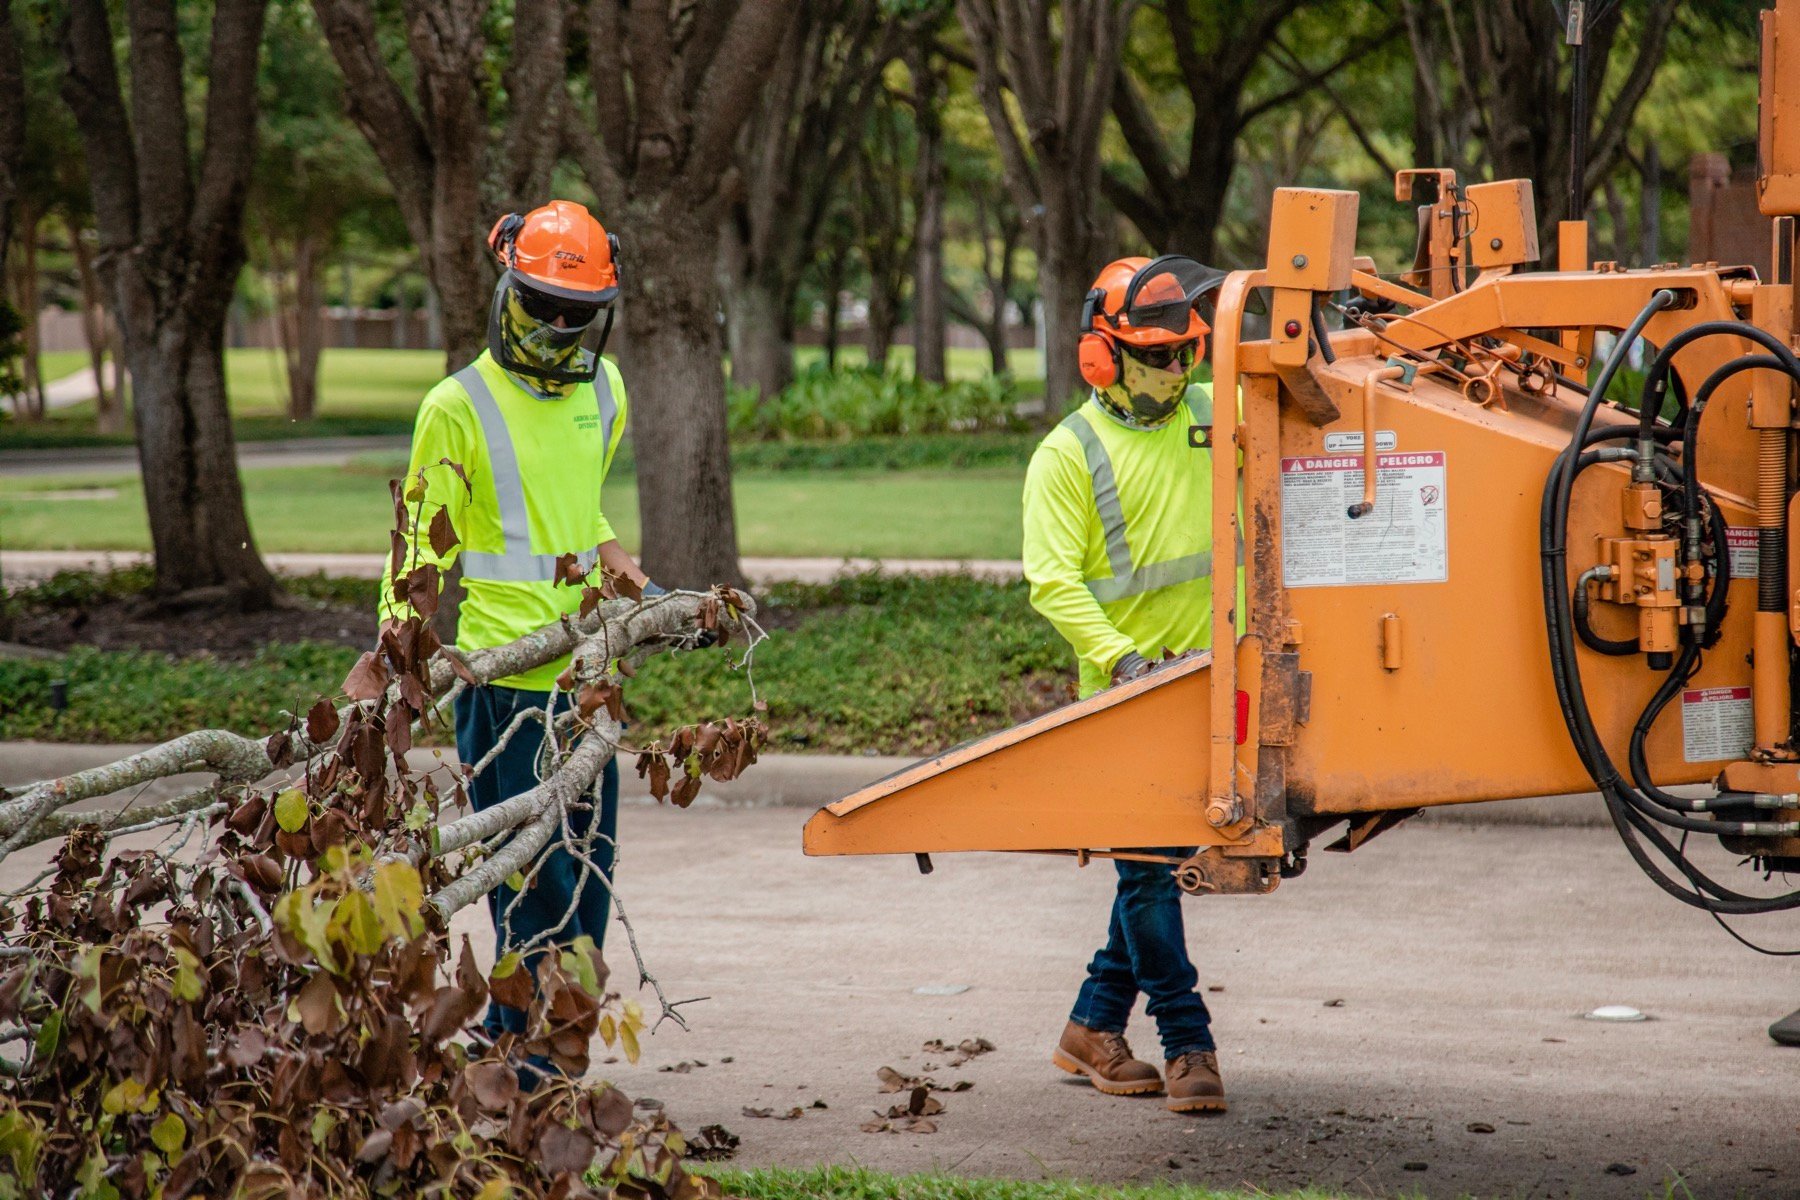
x=25, y=566
x=123, y=460
x=69, y=390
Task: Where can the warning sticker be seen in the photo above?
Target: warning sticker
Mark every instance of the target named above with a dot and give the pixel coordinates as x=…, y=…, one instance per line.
x=1403, y=541
x=1352, y=443
x=1744, y=558
x=1716, y=723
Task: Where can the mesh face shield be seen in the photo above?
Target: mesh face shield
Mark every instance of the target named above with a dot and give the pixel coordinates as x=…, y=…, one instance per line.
x=1164, y=295
x=526, y=339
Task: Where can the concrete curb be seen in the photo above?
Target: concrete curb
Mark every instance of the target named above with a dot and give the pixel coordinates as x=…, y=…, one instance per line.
x=777, y=781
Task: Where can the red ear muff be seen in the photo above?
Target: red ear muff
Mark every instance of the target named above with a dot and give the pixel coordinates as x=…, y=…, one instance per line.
x=502, y=236
x=1098, y=357
x=1096, y=354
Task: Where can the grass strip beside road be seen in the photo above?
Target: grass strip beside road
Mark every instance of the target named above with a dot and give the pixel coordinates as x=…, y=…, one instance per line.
x=972, y=512
x=865, y=664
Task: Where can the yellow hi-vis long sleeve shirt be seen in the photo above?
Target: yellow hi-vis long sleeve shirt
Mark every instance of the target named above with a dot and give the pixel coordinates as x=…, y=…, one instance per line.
x=535, y=467
x=1118, y=537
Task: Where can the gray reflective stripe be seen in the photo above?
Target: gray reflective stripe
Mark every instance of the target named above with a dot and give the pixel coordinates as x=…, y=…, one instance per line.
x=1106, y=492
x=1156, y=575
x=609, y=412
x=516, y=563
x=1128, y=579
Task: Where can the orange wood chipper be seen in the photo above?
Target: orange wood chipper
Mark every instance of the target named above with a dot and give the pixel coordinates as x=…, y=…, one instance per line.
x=1470, y=574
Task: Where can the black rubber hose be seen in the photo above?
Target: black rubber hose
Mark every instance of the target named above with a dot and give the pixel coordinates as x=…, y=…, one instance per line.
x=1690, y=447
x=1319, y=334
x=1553, y=553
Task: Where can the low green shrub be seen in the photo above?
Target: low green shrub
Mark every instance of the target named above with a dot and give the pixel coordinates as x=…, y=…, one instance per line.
x=138, y=696
x=864, y=664
x=822, y=403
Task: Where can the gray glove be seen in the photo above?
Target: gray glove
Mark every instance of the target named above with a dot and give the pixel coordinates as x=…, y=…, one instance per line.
x=1130, y=667
x=652, y=588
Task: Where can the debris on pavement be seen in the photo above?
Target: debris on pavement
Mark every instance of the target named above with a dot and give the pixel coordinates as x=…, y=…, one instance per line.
x=792, y=1114
x=961, y=1051
x=713, y=1143
x=912, y=1117
x=683, y=1067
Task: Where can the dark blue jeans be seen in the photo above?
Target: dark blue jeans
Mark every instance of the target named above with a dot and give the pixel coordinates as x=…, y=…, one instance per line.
x=1146, y=951
x=483, y=715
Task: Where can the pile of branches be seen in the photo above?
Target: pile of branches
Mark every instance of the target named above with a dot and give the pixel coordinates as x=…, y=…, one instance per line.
x=266, y=1002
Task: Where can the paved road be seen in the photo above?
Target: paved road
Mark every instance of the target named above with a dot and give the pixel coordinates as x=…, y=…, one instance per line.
x=1461, y=957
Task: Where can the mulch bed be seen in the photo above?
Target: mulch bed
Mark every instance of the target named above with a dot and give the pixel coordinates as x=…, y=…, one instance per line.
x=129, y=624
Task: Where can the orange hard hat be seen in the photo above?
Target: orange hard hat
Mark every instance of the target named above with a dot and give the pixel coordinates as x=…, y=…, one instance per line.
x=1151, y=302
x=559, y=249
x=1141, y=302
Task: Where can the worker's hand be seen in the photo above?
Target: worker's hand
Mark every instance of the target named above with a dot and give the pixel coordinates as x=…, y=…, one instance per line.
x=653, y=588
x=1130, y=667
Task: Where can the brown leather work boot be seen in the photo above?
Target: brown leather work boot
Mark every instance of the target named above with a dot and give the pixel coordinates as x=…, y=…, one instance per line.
x=1106, y=1060
x=1194, y=1083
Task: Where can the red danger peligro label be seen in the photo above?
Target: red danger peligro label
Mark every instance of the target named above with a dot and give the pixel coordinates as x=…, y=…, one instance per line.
x=1716, y=724
x=1741, y=543
x=1404, y=540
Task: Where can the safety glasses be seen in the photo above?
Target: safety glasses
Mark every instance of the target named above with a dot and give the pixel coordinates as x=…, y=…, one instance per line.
x=1166, y=356
x=541, y=306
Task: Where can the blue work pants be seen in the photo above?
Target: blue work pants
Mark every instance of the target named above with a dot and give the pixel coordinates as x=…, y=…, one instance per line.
x=1146, y=952
x=483, y=715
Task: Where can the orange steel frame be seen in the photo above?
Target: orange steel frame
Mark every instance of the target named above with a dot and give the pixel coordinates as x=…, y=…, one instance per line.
x=1366, y=702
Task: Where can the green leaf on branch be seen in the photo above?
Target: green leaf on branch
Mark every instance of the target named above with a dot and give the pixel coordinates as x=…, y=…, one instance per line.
x=169, y=1134
x=291, y=810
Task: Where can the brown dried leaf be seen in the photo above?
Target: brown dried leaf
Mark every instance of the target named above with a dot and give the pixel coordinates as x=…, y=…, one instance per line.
x=686, y=788
x=459, y=665
x=442, y=533
x=460, y=474
x=422, y=589
x=893, y=1081
x=563, y=1149
x=569, y=571
x=280, y=749
x=590, y=600
x=318, y=1005
x=368, y=679
x=651, y=765
x=321, y=721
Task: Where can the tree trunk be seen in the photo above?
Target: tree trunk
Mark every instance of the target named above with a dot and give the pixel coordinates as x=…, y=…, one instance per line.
x=303, y=330
x=879, y=338
x=760, y=333
x=109, y=414
x=1065, y=268
x=32, y=402
x=1650, y=205
x=198, y=529
x=671, y=359
x=834, y=306
x=928, y=236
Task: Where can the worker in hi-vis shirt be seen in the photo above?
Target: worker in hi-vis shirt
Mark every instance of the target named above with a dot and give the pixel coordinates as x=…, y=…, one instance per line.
x=534, y=423
x=1118, y=551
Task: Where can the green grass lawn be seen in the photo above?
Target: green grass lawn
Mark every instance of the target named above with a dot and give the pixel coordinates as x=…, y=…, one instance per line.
x=963, y=513
x=57, y=363
x=371, y=392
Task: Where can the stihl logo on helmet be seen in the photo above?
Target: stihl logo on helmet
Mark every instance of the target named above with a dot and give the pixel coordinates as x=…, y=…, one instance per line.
x=560, y=248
